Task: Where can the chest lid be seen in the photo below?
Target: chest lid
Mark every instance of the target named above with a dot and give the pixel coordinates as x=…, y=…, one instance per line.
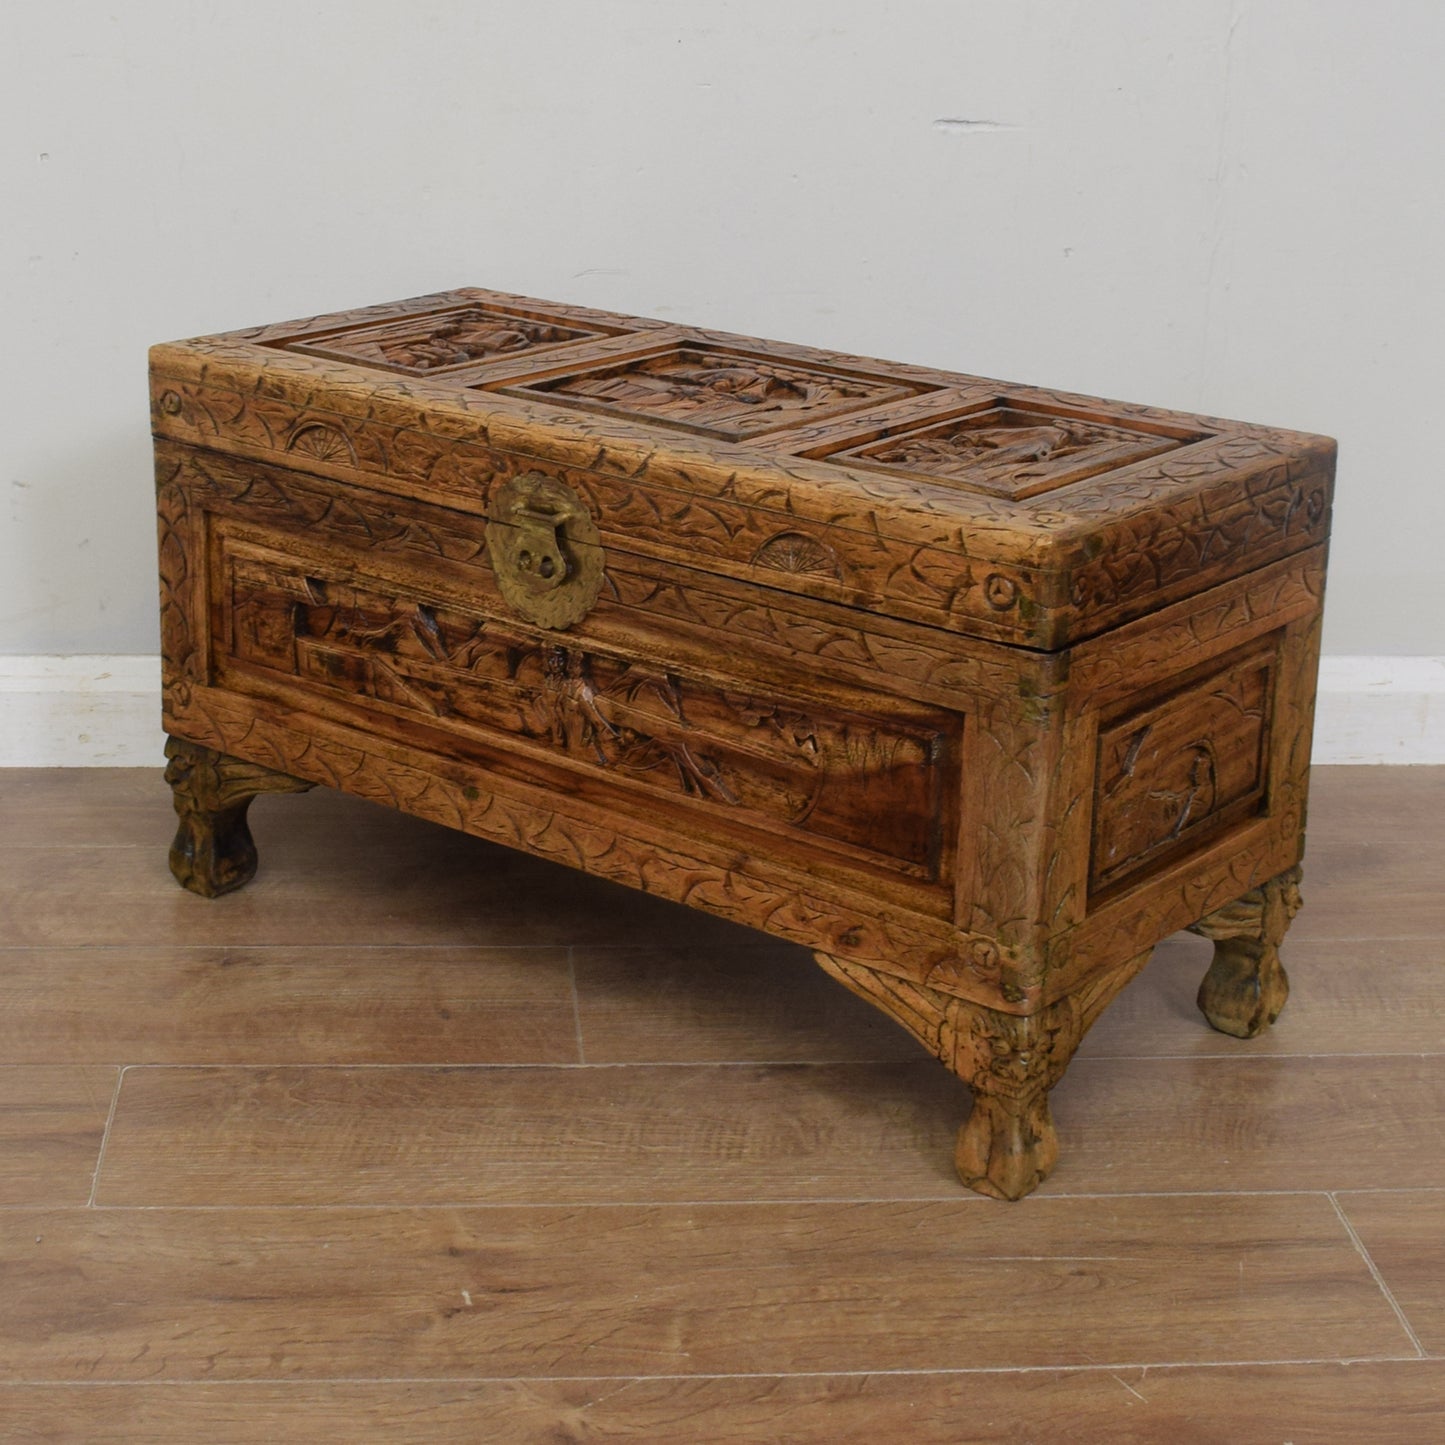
x=997, y=510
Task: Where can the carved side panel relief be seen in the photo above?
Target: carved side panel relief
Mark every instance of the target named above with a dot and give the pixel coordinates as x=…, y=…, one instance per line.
x=874, y=787
x=1178, y=770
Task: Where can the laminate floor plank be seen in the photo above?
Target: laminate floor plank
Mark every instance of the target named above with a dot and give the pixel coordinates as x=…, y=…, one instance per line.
x=537, y=1136
x=1371, y=802
x=131, y=807
x=1375, y=854
x=1385, y=1403
x=1404, y=1233
x=1382, y=888
x=1346, y=998
x=66, y=807
x=358, y=1187
x=448, y=890
x=546, y=1135
x=1129, y=1125
x=267, y=1294
x=287, y=1005
x=52, y=1122
x=690, y=1005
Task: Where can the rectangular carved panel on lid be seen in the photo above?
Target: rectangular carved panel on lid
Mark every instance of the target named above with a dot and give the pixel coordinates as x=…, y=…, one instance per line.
x=1011, y=448
x=720, y=391
x=439, y=341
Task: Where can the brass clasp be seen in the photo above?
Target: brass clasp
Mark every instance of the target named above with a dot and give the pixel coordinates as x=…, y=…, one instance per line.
x=541, y=554
x=545, y=549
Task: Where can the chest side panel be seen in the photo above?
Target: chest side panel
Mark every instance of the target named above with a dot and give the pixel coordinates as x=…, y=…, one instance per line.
x=722, y=715
x=1187, y=769
x=847, y=773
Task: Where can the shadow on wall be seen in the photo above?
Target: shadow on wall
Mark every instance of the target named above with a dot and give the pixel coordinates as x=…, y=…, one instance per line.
x=77, y=553
x=79, y=623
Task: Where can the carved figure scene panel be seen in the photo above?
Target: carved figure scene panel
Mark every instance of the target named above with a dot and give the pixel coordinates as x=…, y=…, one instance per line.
x=1175, y=772
x=720, y=391
x=441, y=340
x=875, y=788
x=1012, y=449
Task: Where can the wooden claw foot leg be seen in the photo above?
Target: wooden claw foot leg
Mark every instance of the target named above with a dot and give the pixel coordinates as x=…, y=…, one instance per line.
x=213, y=851
x=1246, y=986
x=1007, y=1147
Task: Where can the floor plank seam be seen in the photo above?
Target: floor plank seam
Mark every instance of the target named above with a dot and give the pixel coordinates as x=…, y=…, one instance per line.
x=1253, y=1058
x=576, y=1004
x=780, y=1202
x=920, y=1373
x=464, y=946
x=105, y=1137
x=1391, y=1189
x=882, y=1061
x=923, y=1062
x=1378, y=1277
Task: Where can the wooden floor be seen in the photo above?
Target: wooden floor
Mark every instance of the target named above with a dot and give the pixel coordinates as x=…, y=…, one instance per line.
x=420, y=1140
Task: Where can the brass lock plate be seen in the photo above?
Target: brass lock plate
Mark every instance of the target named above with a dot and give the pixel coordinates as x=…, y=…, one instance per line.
x=545, y=549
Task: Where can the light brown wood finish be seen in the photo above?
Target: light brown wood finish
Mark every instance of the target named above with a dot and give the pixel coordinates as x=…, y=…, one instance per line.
x=846, y=1131
x=711, y=1288
x=52, y=1120
x=439, y=891
x=288, y=1005
x=1387, y=1404
x=1373, y=883
x=767, y=1003
x=1405, y=1235
x=1163, y=1262
x=976, y=690
x=1365, y=996
x=533, y=1136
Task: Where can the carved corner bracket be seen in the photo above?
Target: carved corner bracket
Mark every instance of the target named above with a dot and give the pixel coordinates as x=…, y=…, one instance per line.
x=1008, y=1145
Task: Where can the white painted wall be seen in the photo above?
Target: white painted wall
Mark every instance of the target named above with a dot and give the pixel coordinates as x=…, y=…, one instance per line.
x=1225, y=205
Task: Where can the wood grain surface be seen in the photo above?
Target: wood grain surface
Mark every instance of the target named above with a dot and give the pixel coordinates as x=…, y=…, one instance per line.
x=253, y=1293
x=52, y=1121
x=1318, y=1404
x=1404, y=1232
x=1148, y=1292
x=573, y=1135
x=1205, y=500
x=368, y=1004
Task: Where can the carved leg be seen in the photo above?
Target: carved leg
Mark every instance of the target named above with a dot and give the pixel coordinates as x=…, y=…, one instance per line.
x=1246, y=986
x=214, y=852
x=1007, y=1147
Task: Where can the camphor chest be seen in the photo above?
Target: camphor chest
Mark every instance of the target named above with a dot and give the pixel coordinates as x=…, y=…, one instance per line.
x=975, y=689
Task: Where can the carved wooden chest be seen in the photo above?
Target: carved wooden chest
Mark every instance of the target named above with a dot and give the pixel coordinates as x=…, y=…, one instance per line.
x=975, y=689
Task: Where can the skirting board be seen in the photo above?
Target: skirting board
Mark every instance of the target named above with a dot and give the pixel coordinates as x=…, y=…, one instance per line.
x=102, y=711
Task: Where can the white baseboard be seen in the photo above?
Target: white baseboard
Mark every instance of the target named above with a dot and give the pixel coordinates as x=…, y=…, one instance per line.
x=1380, y=710
x=91, y=711
x=102, y=711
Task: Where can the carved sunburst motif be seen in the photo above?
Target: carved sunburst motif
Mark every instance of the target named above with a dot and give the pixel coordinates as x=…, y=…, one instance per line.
x=321, y=443
x=798, y=553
